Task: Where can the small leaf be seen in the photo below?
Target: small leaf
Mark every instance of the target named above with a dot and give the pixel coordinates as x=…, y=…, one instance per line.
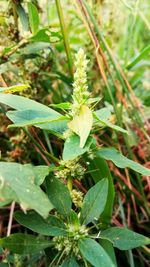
x=121, y=161
x=41, y=36
x=15, y=88
x=94, y=202
x=52, y=226
x=72, y=148
x=63, y=106
x=33, y=17
x=59, y=195
x=24, y=244
x=124, y=239
x=82, y=124
x=94, y=253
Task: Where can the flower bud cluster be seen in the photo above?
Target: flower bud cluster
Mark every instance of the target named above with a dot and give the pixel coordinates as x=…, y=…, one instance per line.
x=71, y=168
x=80, y=92
x=69, y=244
x=77, y=198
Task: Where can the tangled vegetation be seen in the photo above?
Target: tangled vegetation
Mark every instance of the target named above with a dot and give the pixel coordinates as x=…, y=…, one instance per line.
x=74, y=133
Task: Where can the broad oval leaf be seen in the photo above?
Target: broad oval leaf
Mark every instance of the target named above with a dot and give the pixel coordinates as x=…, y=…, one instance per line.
x=18, y=183
x=24, y=244
x=94, y=202
x=94, y=253
x=51, y=226
x=72, y=147
x=121, y=161
x=124, y=239
x=59, y=195
x=82, y=124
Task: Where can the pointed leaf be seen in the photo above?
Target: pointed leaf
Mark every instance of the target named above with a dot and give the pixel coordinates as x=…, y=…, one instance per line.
x=14, y=88
x=94, y=253
x=94, y=202
x=121, y=161
x=98, y=169
x=24, y=244
x=52, y=226
x=82, y=124
x=59, y=195
x=33, y=17
x=124, y=239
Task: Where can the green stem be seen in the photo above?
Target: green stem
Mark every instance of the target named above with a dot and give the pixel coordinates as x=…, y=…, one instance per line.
x=70, y=183
x=54, y=159
x=65, y=36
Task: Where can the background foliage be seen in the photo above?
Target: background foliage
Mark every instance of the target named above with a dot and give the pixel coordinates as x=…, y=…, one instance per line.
x=38, y=42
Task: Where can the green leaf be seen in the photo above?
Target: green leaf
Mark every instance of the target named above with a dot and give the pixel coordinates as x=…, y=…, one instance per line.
x=94, y=253
x=103, y=113
x=52, y=226
x=103, y=119
x=72, y=147
x=94, y=202
x=124, y=239
x=32, y=117
x=41, y=36
x=18, y=183
x=21, y=103
x=108, y=247
x=139, y=57
x=98, y=169
x=82, y=124
x=121, y=161
x=59, y=195
x=33, y=17
x=74, y=220
x=14, y=88
x=71, y=262
x=23, y=17
x=34, y=48
x=63, y=106
x=24, y=244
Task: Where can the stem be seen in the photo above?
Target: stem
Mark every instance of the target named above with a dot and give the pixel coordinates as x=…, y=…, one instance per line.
x=70, y=183
x=65, y=36
x=53, y=158
x=10, y=218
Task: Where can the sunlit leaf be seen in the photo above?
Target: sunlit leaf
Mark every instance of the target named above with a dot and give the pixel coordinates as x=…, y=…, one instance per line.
x=82, y=124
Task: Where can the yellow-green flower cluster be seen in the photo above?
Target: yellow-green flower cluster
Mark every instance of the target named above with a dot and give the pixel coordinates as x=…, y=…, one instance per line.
x=71, y=168
x=77, y=198
x=69, y=244
x=80, y=88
